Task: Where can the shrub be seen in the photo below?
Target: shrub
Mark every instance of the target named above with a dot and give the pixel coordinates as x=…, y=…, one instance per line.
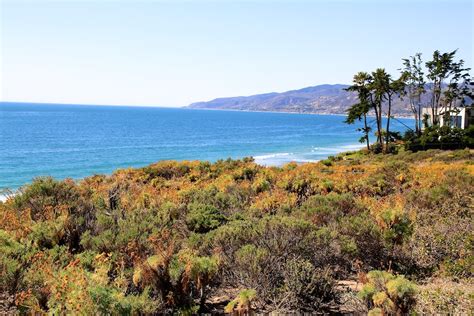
x=327, y=162
x=250, y=261
x=375, y=185
x=242, y=304
x=166, y=170
x=108, y=300
x=178, y=277
x=368, y=238
x=46, y=192
x=61, y=201
x=273, y=202
x=388, y=293
x=396, y=225
x=443, y=137
x=323, y=209
x=307, y=288
x=11, y=264
x=202, y=218
x=261, y=184
x=199, y=270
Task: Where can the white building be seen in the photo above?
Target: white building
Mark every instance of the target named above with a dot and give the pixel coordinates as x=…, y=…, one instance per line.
x=461, y=117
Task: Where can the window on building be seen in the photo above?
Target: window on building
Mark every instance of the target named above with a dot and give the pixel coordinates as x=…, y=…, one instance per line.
x=456, y=121
x=470, y=118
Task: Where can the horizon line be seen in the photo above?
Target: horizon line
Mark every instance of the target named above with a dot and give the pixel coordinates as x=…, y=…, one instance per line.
x=178, y=106
x=91, y=104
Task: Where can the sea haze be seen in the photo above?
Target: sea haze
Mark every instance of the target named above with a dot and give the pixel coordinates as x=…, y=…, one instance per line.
x=81, y=140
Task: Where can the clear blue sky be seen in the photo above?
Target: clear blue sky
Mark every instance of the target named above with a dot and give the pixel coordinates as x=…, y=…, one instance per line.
x=171, y=53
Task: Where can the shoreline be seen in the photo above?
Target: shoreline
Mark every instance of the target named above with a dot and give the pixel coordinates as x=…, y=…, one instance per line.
x=289, y=112
x=259, y=159
x=187, y=107
x=6, y=194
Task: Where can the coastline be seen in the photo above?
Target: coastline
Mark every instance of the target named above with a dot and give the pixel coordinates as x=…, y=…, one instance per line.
x=152, y=136
x=6, y=194
x=288, y=112
x=187, y=107
x=267, y=160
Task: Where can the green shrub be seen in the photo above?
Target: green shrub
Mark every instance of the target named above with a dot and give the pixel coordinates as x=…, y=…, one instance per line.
x=368, y=238
x=388, y=293
x=242, y=303
x=11, y=263
x=323, y=209
x=250, y=261
x=397, y=226
x=44, y=191
x=327, y=162
x=202, y=218
x=443, y=137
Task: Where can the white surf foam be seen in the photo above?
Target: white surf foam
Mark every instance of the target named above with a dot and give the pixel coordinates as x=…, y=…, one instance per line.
x=314, y=154
x=268, y=156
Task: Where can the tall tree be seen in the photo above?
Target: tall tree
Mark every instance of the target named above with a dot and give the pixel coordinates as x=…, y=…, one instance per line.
x=380, y=87
x=359, y=110
x=439, y=69
x=458, y=89
x=415, y=86
x=385, y=90
x=396, y=89
x=450, y=83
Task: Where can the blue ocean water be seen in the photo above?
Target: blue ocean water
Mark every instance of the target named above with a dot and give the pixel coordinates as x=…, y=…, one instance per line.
x=78, y=140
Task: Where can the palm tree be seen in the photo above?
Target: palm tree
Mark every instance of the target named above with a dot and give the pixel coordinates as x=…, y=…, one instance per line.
x=380, y=86
x=359, y=110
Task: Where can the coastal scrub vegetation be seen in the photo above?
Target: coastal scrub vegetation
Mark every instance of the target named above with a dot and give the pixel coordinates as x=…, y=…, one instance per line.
x=358, y=232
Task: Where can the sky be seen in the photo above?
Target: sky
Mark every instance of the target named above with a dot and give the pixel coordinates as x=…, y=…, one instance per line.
x=172, y=53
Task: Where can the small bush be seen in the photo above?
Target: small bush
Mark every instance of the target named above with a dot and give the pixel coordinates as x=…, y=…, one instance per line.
x=327, y=162
x=242, y=304
x=308, y=288
x=202, y=218
x=323, y=209
x=396, y=225
x=388, y=293
x=10, y=262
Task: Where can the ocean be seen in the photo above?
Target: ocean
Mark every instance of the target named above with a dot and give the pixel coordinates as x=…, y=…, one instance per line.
x=75, y=141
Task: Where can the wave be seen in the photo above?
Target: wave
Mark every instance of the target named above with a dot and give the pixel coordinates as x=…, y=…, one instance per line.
x=353, y=146
x=339, y=148
x=313, y=155
x=5, y=196
x=272, y=155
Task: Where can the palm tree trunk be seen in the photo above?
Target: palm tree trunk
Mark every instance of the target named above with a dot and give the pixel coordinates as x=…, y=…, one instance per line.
x=377, y=118
x=366, y=132
x=387, y=137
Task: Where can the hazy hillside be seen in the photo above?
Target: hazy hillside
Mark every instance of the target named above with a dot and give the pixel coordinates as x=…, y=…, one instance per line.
x=321, y=99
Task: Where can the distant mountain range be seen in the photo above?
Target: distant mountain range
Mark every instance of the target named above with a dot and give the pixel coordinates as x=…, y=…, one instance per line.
x=321, y=99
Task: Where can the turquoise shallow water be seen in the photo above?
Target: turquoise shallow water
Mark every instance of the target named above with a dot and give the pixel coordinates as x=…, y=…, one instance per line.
x=77, y=140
